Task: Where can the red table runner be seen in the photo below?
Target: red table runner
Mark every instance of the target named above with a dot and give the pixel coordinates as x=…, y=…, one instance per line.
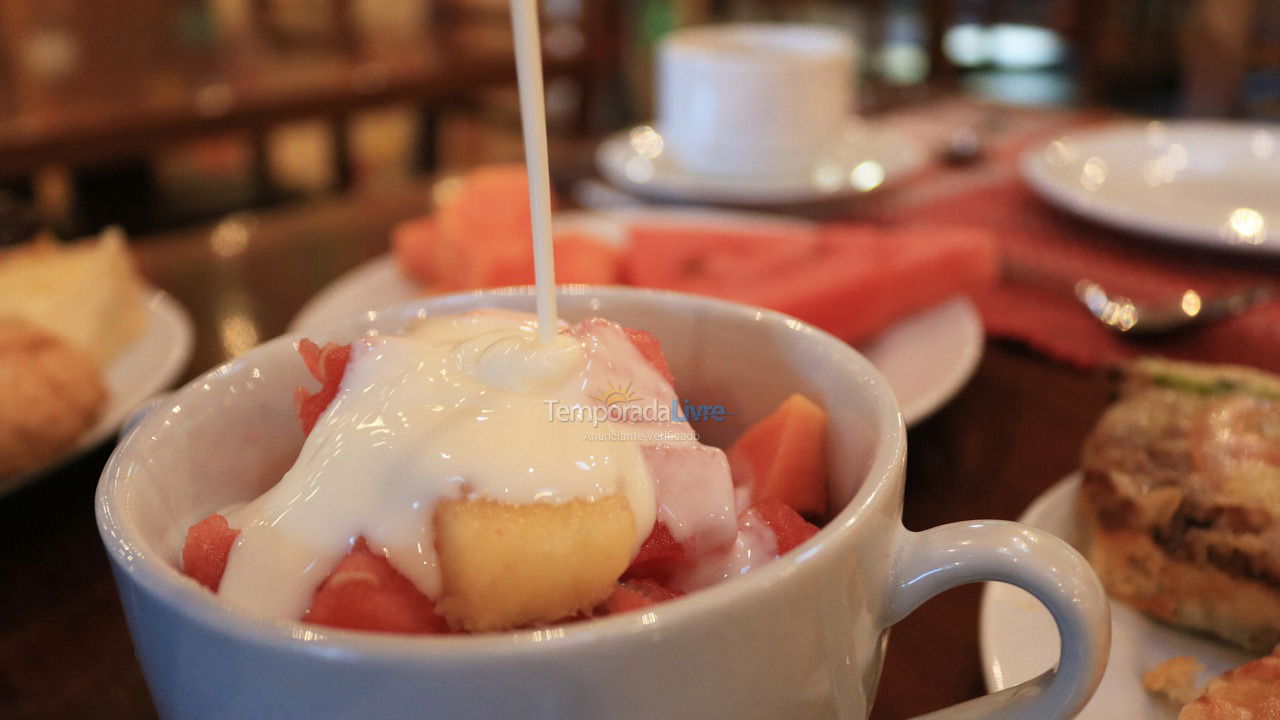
x=1035, y=237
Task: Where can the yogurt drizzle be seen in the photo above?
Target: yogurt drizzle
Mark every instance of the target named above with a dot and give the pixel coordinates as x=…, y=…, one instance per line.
x=454, y=409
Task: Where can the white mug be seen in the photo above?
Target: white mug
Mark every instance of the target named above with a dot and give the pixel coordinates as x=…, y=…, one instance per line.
x=801, y=637
x=749, y=99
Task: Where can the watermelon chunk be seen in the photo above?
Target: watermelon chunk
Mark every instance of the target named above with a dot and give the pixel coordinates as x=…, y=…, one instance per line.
x=783, y=457
x=327, y=364
x=682, y=257
x=636, y=594
x=648, y=346
x=658, y=557
x=205, y=551
x=364, y=592
x=788, y=527
x=651, y=349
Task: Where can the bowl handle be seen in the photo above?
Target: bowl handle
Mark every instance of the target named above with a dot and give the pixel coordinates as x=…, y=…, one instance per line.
x=945, y=557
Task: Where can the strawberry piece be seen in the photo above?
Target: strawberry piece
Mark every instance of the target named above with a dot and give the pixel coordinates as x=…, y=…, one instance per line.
x=364, y=592
x=327, y=364
x=205, y=551
x=635, y=594
x=658, y=557
x=788, y=527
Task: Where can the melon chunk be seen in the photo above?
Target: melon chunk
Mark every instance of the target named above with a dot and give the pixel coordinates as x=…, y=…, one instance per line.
x=205, y=551
x=327, y=364
x=783, y=457
x=789, y=529
x=364, y=592
x=636, y=594
x=660, y=556
x=505, y=566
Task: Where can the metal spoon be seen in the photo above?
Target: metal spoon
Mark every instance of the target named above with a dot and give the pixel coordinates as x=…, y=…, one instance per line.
x=1123, y=315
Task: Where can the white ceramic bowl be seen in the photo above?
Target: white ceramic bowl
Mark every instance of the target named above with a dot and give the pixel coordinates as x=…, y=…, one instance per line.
x=802, y=637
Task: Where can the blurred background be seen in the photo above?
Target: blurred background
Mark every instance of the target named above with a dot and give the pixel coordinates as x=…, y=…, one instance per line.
x=158, y=114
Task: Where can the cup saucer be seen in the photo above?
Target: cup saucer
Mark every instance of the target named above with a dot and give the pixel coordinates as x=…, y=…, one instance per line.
x=863, y=159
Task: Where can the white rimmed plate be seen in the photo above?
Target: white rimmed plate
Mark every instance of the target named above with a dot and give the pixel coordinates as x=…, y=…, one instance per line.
x=926, y=358
x=865, y=158
x=1019, y=639
x=1204, y=184
x=148, y=365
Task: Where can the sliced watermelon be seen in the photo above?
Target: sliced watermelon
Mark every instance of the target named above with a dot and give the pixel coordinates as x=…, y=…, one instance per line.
x=853, y=280
x=788, y=527
x=783, y=456
x=327, y=364
x=865, y=280
x=364, y=592
x=681, y=257
x=205, y=551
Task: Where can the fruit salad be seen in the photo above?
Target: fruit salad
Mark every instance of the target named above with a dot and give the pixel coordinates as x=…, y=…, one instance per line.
x=466, y=476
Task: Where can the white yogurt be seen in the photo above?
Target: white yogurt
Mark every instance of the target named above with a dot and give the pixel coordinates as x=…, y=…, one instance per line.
x=754, y=545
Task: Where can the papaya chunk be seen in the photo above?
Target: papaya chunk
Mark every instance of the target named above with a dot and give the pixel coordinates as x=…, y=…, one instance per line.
x=783, y=457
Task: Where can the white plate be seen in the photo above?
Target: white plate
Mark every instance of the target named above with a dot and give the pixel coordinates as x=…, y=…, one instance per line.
x=1019, y=639
x=1205, y=184
x=148, y=365
x=865, y=158
x=926, y=358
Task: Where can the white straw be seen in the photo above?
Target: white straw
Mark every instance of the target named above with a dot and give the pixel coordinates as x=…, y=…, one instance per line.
x=533, y=118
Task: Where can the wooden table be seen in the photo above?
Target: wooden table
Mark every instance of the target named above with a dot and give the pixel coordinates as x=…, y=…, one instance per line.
x=65, y=650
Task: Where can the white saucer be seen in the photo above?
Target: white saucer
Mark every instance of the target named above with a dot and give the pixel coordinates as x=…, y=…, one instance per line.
x=926, y=358
x=866, y=158
x=150, y=364
x=1205, y=184
x=1019, y=639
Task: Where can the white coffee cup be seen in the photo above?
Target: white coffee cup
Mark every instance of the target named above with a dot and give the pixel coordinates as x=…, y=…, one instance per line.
x=753, y=99
x=802, y=637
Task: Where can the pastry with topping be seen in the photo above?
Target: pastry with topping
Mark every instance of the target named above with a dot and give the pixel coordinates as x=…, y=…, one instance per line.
x=1182, y=497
